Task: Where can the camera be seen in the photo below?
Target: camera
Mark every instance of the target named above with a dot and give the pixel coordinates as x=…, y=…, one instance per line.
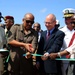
x=1, y=17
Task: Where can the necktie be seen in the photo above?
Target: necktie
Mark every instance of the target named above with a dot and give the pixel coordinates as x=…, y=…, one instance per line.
x=48, y=35
x=71, y=41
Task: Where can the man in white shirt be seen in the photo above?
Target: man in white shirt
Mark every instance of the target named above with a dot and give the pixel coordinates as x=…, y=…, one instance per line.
x=69, y=31
x=69, y=49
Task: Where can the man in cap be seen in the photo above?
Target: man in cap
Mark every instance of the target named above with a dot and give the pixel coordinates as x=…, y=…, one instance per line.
x=70, y=50
x=9, y=21
x=68, y=30
x=68, y=12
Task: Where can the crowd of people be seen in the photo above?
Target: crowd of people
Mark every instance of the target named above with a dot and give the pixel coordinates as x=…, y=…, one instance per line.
x=26, y=49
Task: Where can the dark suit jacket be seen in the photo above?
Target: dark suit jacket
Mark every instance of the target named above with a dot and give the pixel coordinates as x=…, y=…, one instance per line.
x=52, y=45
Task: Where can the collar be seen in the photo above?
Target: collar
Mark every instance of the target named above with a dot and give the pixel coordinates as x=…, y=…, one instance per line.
x=65, y=29
x=22, y=29
x=51, y=30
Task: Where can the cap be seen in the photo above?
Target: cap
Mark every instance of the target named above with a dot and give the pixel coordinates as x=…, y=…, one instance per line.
x=68, y=12
x=8, y=17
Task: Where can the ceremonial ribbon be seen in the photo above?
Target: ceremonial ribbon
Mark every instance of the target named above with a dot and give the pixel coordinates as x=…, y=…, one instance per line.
x=3, y=50
x=33, y=54
x=7, y=58
x=70, y=59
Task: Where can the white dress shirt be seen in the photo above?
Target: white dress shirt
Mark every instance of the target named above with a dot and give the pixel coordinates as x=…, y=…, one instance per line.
x=66, y=41
x=71, y=50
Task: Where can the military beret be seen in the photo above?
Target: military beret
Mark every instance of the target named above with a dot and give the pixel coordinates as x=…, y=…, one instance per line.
x=8, y=17
x=68, y=12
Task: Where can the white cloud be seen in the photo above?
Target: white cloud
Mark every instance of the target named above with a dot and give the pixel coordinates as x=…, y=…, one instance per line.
x=43, y=10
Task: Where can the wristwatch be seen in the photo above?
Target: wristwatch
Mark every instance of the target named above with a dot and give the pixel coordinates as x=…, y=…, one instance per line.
x=59, y=54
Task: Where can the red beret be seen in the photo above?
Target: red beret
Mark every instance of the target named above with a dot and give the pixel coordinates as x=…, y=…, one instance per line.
x=9, y=17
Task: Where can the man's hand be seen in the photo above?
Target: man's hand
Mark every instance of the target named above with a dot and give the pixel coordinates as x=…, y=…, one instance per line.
x=28, y=55
x=53, y=55
x=45, y=56
x=29, y=47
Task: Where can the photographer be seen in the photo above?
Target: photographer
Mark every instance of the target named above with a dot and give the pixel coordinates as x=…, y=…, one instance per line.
x=2, y=45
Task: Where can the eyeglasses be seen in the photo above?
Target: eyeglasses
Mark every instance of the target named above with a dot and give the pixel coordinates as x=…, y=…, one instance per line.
x=48, y=22
x=29, y=21
x=72, y=22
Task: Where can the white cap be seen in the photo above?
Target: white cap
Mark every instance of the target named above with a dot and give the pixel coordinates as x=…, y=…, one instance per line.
x=68, y=12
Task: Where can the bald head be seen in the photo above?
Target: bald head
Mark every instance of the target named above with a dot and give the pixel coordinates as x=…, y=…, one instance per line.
x=50, y=21
x=28, y=21
x=51, y=17
x=29, y=15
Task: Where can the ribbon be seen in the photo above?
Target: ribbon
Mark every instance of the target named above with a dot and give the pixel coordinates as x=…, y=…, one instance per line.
x=3, y=50
x=33, y=54
x=7, y=58
x=70, y=59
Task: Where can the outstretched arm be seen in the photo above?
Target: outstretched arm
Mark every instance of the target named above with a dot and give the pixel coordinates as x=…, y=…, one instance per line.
x=59, y=54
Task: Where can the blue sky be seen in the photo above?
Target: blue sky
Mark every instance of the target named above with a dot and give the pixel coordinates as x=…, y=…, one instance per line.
x=39, y=8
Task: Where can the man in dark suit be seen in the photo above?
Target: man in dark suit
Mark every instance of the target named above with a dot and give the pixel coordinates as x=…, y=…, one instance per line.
x=53, y=43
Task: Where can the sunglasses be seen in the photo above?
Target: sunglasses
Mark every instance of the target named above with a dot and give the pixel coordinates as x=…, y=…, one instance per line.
x=72, y=22
x=29, y=21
